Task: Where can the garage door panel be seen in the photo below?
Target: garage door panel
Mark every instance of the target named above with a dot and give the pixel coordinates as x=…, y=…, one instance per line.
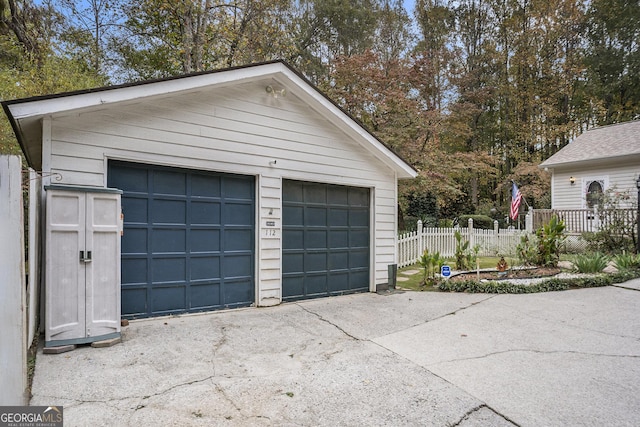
x=325, y=240
x=359, y=238
x=293, y=263
x=134, y=301
x=135, y=241
x=315, y=261
x=315, y=239
x=359, y=197
x=238, y=189
x=359, y=280
x=134, y=270
x=338, y=217
x=165, y=269
x=316, y=284
x=237, y=265
x=315, y=215
x=169, y=240
x=338, y=196
x=205, y=268
x=205, y=212
x=131, y=180
x=292, y=287
x=358, y=259
x=237, y=240
x=238, y=292
x=205, y=186
x=315, y=193
x=204, y=240
x=292, y=239
x=205, y=295
x=338, y=239
x=169, y=182
x=359, y=218
x=338, y=260
x=168, y=299
x=190, y=235
x=338, y=281
x=136, y=209
x=238, y=214
x=169, y=211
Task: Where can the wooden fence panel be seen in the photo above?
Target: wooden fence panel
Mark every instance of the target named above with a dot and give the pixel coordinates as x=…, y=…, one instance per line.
x=13, y=335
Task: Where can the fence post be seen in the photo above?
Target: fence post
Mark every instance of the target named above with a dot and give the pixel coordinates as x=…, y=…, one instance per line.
x=495, y=227
x=419, y=240
x=13, y=335
x=470, y=233
x=528, y=221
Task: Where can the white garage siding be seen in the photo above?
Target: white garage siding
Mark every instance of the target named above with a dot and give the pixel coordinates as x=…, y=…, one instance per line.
x=566, y=196
x=239, y=129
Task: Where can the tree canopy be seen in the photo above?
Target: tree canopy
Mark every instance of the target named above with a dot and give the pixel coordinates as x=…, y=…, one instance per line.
x=472, y=93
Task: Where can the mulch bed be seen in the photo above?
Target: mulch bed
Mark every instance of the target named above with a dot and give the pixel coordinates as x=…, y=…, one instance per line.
x=528, y=273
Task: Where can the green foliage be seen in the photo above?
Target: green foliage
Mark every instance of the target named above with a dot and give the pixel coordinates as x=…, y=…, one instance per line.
x=431, y=264
x=550, y=238
x=527, y=250
x=590, y=263
x=479, y=221
x=627, y=261
x=465, y=257
x=423, y=206
x=506, y=287
x=617, y=231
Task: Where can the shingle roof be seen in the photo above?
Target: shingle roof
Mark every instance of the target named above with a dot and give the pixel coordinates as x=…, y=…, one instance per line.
x=601, y=143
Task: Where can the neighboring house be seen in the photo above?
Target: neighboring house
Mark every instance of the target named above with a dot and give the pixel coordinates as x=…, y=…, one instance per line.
x=244, y=186
x=602, y=158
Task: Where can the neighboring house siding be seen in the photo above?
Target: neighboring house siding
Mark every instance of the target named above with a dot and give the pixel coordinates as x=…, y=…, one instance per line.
x=621, y=176
x=238, y=129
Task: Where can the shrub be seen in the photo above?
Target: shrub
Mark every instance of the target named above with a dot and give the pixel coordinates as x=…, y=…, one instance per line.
x=431, y=264
x=550, y=238
x=527, y=250
x=627, y=261
x=465, y=257
x=590, y=263
x=479, y=221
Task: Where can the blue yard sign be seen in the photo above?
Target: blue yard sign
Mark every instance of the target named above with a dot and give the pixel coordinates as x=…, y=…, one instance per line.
x=445, y=271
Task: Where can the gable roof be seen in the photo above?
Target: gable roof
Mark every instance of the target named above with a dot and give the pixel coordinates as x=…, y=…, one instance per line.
x=26, y=114
x=601, y=144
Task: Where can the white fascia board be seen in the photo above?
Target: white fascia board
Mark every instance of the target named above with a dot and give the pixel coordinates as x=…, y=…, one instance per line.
x=43, y=107
x=330, y=111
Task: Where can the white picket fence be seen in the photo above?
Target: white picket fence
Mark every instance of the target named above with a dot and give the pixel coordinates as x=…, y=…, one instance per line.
x=494, y=242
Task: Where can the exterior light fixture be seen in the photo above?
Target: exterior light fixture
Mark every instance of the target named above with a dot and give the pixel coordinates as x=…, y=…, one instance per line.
x=572, y=180
x=275, y=92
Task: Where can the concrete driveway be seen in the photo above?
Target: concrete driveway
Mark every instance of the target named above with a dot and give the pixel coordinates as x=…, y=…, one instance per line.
x=424, y=359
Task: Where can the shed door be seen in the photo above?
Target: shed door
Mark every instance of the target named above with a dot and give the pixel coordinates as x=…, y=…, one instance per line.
x=188, y=242
x=325, y=240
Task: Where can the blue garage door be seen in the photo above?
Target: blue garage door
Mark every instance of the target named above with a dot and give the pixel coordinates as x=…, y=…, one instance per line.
x=188, y=242
x=325, y=240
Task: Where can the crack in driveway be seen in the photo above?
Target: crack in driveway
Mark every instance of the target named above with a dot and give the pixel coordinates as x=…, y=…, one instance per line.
x=528, y=350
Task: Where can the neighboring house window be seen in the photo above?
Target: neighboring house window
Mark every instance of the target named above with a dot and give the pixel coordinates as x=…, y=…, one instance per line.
x=594, y=191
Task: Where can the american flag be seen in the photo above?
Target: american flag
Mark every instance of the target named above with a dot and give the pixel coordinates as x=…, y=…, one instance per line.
x=516, y=199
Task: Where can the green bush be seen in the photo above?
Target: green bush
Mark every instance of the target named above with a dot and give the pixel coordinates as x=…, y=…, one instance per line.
x=465, y=257
x=590, y=263
x=550, y=238
x=554, y=284
x=627, y=261
x=479, y=221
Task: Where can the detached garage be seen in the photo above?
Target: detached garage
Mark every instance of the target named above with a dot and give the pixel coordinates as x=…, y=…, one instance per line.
x=238, y=187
